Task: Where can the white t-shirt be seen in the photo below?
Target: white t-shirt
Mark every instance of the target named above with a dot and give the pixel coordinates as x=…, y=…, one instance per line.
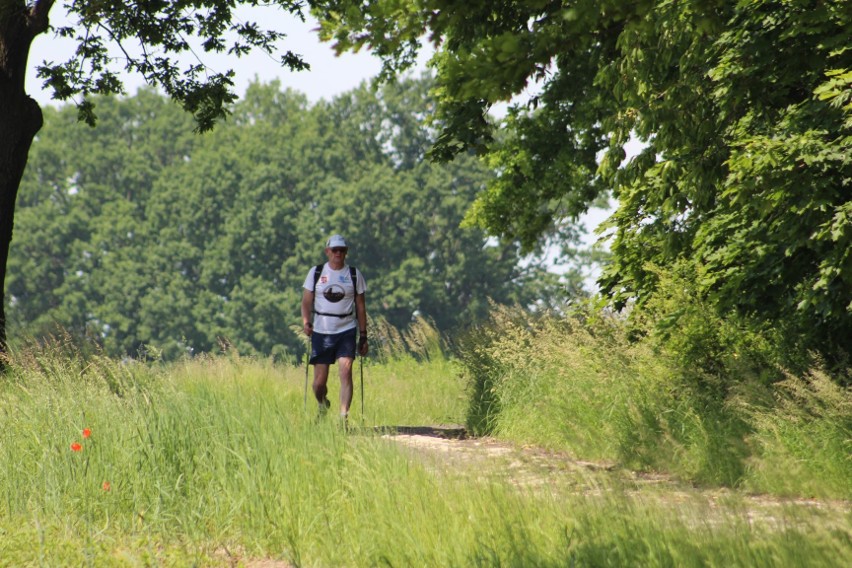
x=335, y=294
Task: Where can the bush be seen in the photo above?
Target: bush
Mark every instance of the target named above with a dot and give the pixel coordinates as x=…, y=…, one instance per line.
x=690, y=406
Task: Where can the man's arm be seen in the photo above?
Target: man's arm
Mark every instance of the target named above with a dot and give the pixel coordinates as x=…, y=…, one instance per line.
x=307, y=304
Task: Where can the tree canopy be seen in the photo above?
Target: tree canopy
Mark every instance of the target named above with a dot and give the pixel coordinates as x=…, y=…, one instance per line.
x=153, y=37
x=744, y=108
x=140, y=234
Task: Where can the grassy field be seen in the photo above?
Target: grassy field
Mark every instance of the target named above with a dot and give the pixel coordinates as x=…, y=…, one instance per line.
x=216, y=462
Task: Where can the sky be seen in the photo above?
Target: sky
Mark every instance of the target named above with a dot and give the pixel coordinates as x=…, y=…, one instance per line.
x=329, y=75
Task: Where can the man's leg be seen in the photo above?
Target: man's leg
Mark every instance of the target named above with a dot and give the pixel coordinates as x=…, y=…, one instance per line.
x=320, y=381
x=345, y=364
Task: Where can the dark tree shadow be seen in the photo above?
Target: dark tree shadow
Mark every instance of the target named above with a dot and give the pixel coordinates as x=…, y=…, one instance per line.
x=445, y=432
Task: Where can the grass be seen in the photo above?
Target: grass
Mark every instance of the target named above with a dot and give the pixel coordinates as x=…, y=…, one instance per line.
x=214, y=461
x=584, y=388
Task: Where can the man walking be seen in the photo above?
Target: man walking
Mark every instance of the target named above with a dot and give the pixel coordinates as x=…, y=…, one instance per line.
x=333, y=307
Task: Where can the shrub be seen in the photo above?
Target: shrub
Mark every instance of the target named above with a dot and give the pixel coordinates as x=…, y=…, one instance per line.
x=693, y=401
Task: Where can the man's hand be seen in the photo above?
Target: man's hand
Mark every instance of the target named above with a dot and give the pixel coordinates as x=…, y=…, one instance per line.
x=363, y=348
x=308, y=328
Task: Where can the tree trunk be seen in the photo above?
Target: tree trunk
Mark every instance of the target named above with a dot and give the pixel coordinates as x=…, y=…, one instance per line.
x=20, y=120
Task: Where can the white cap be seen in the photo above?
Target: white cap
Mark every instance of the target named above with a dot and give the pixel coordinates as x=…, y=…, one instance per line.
x=336, y=241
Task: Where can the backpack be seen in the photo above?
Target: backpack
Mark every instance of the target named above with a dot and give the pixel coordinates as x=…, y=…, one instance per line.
x=317, y=273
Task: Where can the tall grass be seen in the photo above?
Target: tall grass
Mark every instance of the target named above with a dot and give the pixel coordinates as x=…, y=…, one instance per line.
x=215, y=461
x=580, y=385
x=802, y=437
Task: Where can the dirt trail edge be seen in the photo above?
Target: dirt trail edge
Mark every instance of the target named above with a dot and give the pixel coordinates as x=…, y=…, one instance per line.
x=449, y=449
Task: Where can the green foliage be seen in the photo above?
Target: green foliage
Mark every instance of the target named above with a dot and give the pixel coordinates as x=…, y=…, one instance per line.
x=165, y=30
x=585, y=385
x=579, y=385
x=714, y=352
x=744, y=111
x=139, y=234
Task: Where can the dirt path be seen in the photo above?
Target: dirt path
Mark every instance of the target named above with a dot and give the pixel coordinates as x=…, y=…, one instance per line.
x=450, y=450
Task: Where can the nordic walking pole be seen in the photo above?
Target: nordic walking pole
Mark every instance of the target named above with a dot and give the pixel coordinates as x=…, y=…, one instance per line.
x=307, y=365
x=362, y=387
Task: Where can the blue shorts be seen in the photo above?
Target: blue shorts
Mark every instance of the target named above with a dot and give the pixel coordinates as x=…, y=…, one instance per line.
x=328, y=348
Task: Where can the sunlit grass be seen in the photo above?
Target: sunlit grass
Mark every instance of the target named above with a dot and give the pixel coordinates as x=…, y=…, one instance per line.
x=217, y=460
x=587, y=390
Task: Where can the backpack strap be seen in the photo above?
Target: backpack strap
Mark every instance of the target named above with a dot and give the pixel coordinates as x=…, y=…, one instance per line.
x=317, y=272
x=354, y=275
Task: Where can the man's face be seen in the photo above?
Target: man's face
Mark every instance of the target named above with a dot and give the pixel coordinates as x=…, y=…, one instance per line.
x=336, y=254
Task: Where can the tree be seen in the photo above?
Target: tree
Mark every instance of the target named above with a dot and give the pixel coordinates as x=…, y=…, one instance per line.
x=745, y=109
x=83, y=204
x=143, y=235
x=151, y=35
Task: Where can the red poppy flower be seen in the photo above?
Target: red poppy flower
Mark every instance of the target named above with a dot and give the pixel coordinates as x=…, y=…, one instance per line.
x=86, y=432
x=75, y=447
x=106, y=486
